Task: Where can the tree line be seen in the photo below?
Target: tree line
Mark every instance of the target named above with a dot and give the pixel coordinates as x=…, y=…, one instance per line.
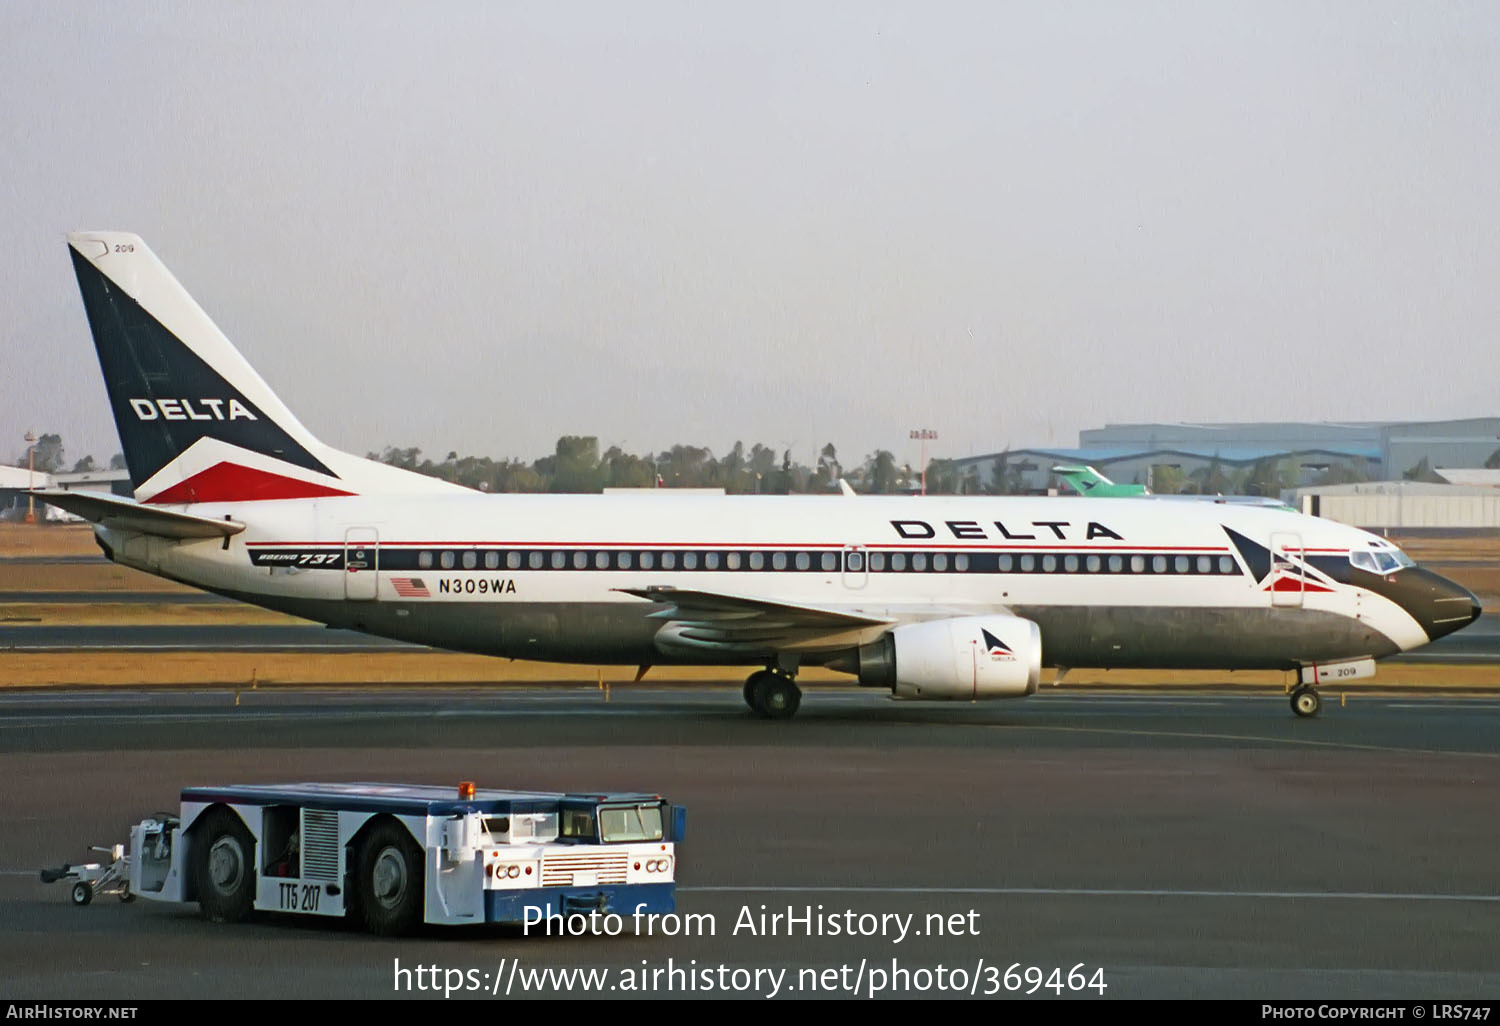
x=578, y=465
x=49, y=457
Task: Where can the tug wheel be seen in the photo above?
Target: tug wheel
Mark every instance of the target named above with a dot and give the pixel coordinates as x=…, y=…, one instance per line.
x=224, y=866
x=389, y=883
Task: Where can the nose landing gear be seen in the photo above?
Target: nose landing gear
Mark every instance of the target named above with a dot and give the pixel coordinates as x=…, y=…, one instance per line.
x=773, y=694
x=1305, y=701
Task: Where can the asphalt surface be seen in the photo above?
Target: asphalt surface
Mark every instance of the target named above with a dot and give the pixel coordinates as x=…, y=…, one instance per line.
x=1477, y=643
x=25, y=637
x=1198, y=845
x=129, y=598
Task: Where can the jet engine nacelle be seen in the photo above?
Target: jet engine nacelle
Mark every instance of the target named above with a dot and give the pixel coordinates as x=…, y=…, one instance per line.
x=966, y=658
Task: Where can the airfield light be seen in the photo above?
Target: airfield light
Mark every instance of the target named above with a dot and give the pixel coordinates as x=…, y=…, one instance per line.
x=30, y=477
x=925, y=434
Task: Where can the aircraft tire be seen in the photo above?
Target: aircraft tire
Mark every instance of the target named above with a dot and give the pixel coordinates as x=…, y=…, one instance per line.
x=777, y=697
x=1306, y=701
x=751, y=683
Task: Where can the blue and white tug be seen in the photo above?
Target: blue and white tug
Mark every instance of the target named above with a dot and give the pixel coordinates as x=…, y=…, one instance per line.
x=392, y=856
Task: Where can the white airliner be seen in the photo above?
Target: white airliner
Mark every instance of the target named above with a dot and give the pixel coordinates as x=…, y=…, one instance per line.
x=933, y=598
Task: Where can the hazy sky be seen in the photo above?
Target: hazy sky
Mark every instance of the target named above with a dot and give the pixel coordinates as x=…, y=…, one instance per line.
x=480, y=226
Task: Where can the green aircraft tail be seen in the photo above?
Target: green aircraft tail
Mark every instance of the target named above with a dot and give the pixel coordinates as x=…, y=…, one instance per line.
x=1089, y=482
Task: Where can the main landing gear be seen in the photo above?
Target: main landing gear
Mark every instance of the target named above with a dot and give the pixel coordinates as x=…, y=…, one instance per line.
x=773, y=694
x=1305, y=700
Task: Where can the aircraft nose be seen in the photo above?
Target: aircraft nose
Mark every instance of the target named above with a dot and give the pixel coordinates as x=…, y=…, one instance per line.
x=1441, y=606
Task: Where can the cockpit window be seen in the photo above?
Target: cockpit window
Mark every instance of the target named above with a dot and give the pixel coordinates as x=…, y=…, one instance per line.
x=1381, y=561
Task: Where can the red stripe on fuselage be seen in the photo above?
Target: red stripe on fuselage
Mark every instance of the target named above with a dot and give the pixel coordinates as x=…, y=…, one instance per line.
x=230, y=482
x=1292, y=584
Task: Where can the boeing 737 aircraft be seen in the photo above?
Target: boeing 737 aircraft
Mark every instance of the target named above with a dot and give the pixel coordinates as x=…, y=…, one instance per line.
x=930, y=597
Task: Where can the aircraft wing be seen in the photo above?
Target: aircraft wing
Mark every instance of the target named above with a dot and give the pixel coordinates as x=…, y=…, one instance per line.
x=728, y=624
x=128, y=515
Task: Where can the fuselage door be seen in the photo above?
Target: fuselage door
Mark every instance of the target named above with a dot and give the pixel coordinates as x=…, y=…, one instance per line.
x=856, y=567
x=1287, y=581
x=361, y=564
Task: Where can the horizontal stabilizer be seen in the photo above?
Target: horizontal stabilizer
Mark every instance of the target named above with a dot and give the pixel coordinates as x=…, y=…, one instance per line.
x=120, y=514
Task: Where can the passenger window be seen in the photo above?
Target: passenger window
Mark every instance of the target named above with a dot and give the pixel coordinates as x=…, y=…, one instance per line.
x=829, y=562
x=447, y=560
x=803, y=561
x=1028, y=563
x=690, y=560
x=1116, y=564
x=710, y=561
x=601, y=561
x=1158, y=564
x=1205, y=565
x=919, y=561
x=492, y=561
x=622, y=560
x=960, y=563
x=1092, y=563
x=559, y=560
x=1226, y=564
x=877, y=562
x=732, y=560
x=1049, y=564
x=854, y=562
x=1180, y=564
x=898, y=561
x=534, y=560
x=757, y=560
x=424, y=561
x=1005, y=564
x=1137, y=564
x=778, y=561
x=1070, y=564
x=471, y=559
x=939, y=562
x=669, y=560
x=648, y=560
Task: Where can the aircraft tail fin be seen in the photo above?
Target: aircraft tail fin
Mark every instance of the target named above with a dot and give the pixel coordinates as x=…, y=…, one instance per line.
x=196, y=422
x=1088, y=481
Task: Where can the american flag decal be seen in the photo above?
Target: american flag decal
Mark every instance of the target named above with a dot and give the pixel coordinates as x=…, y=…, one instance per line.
x=410, y=587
